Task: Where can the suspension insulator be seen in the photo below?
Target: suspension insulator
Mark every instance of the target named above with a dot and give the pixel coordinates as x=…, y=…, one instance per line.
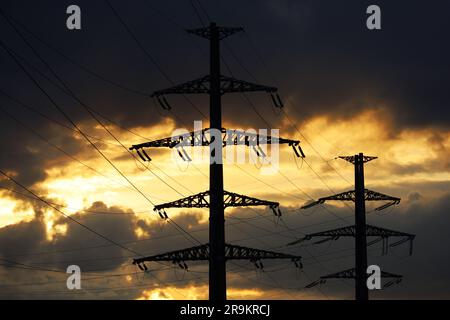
x=297, y=263
x=256, y=151
x=301, y=152
x=186, y=156
x=315, y=283
x=142, y=266
x=167, y=105
x=160, y=102
x=146, y=155
x=298, y=151
x=258, y=264
x=163, y=103
x=323, y=240
x=140, y=155
x=183, y=154
x=274, y=210
x=259, y=151
x=276, y=100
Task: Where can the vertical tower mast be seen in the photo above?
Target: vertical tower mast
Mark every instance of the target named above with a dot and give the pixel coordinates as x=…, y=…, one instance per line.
x=217, y=252
x=359, y=230
x=361, y=290
x=217, y=265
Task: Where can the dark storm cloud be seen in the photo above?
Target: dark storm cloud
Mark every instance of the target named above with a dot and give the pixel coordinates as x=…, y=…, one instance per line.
x=320, y=53
x=114, y=223
x=25, y=243
x=425, y=273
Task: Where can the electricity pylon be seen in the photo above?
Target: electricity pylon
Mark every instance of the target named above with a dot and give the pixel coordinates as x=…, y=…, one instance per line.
x=360, y=231
x=380, y=234
x=217, y=252
x=351, y=274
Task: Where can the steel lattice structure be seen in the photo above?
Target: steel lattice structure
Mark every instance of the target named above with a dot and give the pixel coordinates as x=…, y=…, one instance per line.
x=216, y=198
x=202, y=137
x=382, y=234
x=232, y=252
x=230, y=199
x=352, y=159
x=360, y=231
x=227, y=85
x=369, y=195
x=223, y=32
x=351, y=274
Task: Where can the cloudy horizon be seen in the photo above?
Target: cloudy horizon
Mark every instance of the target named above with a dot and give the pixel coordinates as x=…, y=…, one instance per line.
x=345, y=90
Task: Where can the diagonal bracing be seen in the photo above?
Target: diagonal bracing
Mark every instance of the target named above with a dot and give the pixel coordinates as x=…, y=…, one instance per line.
x=360, y=230
x=216, y=199
x=232, y=252
x=382, y=234
x=369, y=195
x=226, y=85
x=351, y=274
x=203, y=138
x=230, y=199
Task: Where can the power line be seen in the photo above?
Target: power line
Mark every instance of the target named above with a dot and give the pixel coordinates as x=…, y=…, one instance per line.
x=147, y=53
x=2, y=44
x=66, y=215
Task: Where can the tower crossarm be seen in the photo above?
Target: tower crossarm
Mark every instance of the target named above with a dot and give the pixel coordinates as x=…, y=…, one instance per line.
x=351, y=274
x=234, y=252
x=369, y=195
x=350, y=231
x=201, y=253
x=201, y=200
x=351, y=159
x=377, y=196
x=203, y=138
x=223, y=31
x=343, y=196
x=202, y=85
x=227, y=85
x=197, y=253
x=238, y=200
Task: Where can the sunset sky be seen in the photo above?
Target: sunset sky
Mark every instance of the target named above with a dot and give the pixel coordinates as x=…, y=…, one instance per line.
x=345, y=89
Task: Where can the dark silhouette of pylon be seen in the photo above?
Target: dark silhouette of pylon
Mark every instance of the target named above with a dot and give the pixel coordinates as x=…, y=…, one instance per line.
x=360, y=230
x=217, y=252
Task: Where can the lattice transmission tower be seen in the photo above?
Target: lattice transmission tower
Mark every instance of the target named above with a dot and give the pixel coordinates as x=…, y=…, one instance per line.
x=360, y=230
x=217, y=251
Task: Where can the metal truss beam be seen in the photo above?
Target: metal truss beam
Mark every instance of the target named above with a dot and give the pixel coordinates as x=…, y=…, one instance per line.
x=201, y=200
x=223, y=32
x=202, y=85
x=232, y=252
x=203, y=138
x=351, y=159
x=371, y=231
x=369, y=195
x=351, y=274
